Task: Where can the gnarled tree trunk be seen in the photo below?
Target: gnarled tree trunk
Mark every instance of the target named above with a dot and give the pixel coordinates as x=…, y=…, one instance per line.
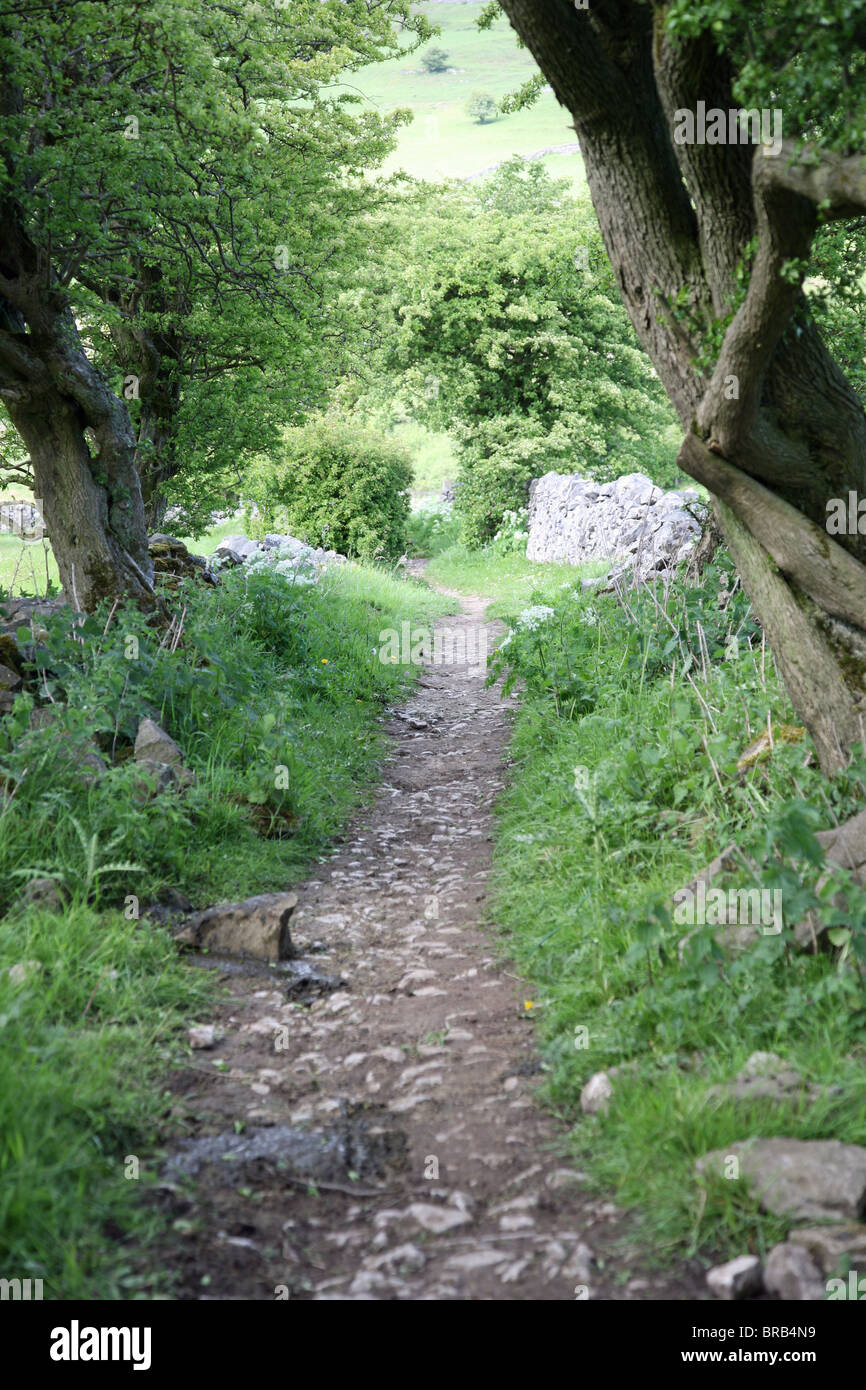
x=79, y=434
x=774, y=430
x=96, y=528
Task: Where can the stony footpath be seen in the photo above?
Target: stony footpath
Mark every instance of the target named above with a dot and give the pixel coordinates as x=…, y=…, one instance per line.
x=361, y=1121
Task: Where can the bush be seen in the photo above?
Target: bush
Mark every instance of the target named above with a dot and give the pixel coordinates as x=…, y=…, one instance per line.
x=513, y=533
x=482, y=108
x=435, y=60
x=338, y=486
x=497, y=463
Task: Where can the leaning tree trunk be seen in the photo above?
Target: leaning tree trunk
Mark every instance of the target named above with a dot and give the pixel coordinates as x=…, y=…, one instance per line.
x=773, y=428
x=78, y=433
x=96, y=528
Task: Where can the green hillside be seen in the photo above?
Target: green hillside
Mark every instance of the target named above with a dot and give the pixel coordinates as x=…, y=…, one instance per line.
x=443, y=141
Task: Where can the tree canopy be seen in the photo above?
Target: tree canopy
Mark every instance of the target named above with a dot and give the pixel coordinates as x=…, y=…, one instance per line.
x=181, y=186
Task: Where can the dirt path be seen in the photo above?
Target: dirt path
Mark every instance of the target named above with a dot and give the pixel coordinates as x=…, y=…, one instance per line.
x=407, y=1094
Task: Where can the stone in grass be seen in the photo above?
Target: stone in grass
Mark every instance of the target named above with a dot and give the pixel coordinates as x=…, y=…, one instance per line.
x=202, y=1036
x=44, y=894
x=833, y=1247
x=791, y=1274
x=596, y=1094
x=153, y=745
x=10, y=683
x=765, y=1077
x=168, y=907
x=739, y=1278
x=23, y=971
x=257, y=927
x=813, y=1179
x=160, y=758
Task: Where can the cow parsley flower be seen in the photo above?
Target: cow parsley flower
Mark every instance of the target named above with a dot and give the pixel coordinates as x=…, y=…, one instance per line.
x=532, y=618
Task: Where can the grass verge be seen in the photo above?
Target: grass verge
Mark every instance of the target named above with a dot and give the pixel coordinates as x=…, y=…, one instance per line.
x=625, y=782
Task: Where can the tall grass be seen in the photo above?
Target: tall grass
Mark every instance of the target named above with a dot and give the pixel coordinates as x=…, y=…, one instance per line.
x=625, y=783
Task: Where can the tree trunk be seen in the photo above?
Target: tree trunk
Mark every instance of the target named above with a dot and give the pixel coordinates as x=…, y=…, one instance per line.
x=157, y=455
x=152, y=369
x=96, y=529
x=773, y=428
x=78, y=433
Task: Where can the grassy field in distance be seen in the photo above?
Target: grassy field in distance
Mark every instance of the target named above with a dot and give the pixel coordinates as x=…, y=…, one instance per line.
x=442, y=141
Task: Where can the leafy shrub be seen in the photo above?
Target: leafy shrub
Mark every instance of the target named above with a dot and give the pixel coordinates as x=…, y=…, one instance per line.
x=536, y=650
x=482, y=108
x=513, y=533
x=497, y=463
x=551, y=648
x=435, y=60
x=339, y=486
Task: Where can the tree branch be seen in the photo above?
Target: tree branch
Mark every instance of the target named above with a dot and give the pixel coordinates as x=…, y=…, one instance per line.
x=802, y=550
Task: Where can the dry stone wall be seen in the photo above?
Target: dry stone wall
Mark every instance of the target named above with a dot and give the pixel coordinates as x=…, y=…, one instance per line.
x=640, y=529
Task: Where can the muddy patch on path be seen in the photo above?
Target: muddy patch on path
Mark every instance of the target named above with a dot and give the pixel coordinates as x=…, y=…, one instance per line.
x=382, y=1139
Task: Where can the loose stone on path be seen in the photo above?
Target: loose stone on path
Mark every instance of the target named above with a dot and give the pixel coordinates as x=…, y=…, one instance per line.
x=396, y=1148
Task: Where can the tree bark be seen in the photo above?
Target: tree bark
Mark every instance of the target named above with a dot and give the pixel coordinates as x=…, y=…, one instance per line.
x=772, y=428
x=79, y=434
x=96, y=529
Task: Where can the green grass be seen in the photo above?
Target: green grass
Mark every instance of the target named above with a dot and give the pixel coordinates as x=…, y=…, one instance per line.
x=442, y=141
x=434, y=458
x=105, y=1006
x=215, y=535
x=276, y=697
x=511, y=580
x=26, y=567
x=607, y=814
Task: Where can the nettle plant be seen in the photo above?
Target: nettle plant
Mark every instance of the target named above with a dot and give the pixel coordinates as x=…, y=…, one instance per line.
x=560, y=652
x=785, y=859
x=540, y=651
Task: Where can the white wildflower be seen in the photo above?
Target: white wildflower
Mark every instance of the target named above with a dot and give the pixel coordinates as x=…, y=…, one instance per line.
x=532, y=618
